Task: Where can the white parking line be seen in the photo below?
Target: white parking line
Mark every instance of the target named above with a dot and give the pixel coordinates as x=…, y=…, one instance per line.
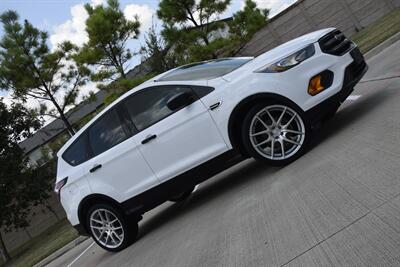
x=80, y=255
x=353, y=97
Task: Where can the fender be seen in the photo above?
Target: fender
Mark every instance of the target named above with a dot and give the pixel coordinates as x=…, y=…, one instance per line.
x=240, y=110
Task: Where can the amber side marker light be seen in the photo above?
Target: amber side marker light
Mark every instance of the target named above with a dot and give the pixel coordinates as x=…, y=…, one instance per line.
x=315, y=87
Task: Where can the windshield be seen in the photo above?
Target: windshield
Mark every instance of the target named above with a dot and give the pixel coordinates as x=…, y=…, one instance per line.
x=205, y=70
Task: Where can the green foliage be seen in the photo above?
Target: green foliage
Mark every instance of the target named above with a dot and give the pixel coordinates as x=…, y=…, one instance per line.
x=46, y=153
x=188, y=25
x=21, y=187
x=118, y=88
x=108, y=31
x=90, y=97
x=244, y=24
x=31, y=70
x=49, y=150
x=155, y=53
x=192, y=30
x=57, y=143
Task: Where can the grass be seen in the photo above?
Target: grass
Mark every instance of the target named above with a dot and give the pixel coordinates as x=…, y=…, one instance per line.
x=39, y=247
x=377, y=32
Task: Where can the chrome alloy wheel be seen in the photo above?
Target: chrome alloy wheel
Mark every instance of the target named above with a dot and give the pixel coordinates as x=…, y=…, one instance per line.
x=106, y=228
x=277, y=132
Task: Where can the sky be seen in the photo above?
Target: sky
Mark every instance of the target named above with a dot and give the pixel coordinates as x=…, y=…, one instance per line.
x=65, y=19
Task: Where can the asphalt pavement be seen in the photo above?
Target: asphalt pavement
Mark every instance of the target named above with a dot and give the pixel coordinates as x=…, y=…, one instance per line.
x=338, y=205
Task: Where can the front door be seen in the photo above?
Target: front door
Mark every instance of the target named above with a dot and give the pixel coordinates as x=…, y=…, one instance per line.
x=173, y=141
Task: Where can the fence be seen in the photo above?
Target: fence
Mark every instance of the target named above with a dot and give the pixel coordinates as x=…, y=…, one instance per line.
x=306, y=16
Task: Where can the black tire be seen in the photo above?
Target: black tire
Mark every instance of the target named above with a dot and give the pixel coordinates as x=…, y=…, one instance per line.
x=256, y=154
x=183, y=196
x=129, y=227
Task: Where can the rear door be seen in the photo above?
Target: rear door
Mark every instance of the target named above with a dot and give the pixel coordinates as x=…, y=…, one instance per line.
x=117, y=168
x=174, y=141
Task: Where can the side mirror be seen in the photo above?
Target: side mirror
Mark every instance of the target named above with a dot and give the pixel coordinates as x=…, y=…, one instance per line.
x=180, y=100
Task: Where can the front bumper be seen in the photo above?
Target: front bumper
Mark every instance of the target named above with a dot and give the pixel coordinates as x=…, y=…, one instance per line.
x=353, y=74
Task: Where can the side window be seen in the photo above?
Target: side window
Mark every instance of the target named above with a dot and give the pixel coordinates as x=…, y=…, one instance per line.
x=149, y=105
x=106, y=132
x=202, y=91
x=78, y=152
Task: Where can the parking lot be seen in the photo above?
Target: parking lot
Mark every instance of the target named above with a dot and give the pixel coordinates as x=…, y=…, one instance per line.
x=338, y=205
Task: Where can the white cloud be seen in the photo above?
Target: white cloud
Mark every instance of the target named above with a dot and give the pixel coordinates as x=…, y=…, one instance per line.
x=98, y=2
x=6, y=98
x=275, y=6
x=73, y=29
x=144, y=12
x=86, y=89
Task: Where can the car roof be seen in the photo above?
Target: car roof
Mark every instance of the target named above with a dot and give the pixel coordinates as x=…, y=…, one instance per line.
x=204, y=70
x=158, y=81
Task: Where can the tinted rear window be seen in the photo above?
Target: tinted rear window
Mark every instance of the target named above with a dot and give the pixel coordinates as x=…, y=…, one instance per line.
x=106, y=132
x=77, y=152
x=205, y=70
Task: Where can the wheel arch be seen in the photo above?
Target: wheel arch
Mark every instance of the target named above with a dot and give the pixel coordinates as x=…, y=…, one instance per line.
x=91, y=200
x=239, y=112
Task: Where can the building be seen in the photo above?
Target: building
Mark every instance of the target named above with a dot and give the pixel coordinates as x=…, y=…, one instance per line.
x=38, y=148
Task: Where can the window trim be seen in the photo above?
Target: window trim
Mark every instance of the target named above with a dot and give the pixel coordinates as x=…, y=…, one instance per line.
x=125, y=128
x=123, y=103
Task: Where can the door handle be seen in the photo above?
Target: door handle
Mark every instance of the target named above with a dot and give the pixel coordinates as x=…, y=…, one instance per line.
x=95, y=168
x=216, y=105
x=149, y=138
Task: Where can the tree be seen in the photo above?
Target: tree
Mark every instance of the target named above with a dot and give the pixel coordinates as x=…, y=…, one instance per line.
x=31, y=70
x=189, y=24
x=116, y=89
x=156, y=53
x=109, y=32
x=244, y=24
x=21, y=187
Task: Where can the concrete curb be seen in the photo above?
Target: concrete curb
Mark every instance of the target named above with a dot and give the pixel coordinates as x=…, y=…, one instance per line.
x=61, y=251
x=385, y=44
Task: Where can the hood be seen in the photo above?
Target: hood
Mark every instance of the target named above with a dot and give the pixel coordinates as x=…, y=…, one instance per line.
x=278, y=53
x=291, y=46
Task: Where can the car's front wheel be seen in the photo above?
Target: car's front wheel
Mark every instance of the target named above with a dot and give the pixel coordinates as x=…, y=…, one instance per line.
x=110, y=228
x=275, y=133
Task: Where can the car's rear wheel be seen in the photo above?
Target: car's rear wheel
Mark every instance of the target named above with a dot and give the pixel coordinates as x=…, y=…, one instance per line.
x=275, y=133
x=110, y=228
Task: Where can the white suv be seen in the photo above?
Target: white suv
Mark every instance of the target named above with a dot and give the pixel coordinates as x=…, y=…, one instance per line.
x=159, y=140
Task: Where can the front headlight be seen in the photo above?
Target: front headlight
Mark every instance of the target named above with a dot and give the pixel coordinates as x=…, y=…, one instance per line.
x=290, y=61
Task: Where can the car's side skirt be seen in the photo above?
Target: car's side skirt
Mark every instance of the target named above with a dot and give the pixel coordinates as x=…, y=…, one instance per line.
x=162, y=192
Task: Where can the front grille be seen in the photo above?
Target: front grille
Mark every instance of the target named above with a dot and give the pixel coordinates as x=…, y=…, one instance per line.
x=335, y=43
